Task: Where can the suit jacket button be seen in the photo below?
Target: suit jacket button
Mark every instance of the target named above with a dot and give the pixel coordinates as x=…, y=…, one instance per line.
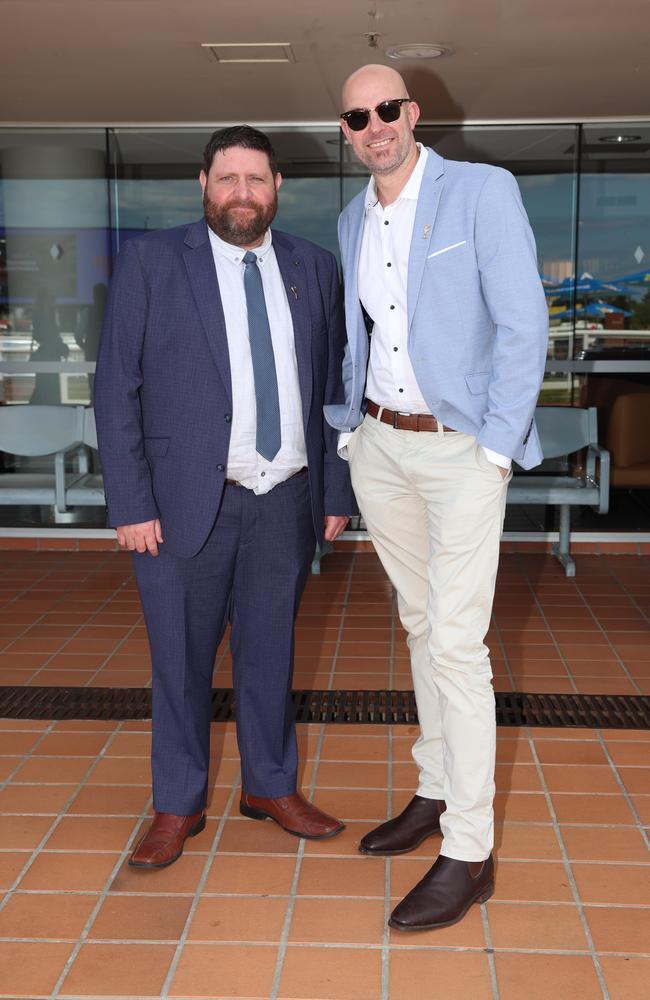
x=221, y=468
x=227, y=418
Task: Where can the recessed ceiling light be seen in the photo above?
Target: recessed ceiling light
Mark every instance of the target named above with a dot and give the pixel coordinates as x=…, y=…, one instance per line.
x=619, y=138
x=418, y=50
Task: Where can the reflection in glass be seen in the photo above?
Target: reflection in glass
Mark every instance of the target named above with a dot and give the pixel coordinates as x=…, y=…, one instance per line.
x=614, y=240
x=54, y=250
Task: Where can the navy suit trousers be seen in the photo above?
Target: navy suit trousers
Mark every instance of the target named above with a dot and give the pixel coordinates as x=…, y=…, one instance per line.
x=251, y=571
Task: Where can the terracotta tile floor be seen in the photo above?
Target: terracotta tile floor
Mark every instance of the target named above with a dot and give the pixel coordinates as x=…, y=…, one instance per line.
x=250, y=912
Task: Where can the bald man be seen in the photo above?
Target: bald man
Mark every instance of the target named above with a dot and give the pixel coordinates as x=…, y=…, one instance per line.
x=440, y=269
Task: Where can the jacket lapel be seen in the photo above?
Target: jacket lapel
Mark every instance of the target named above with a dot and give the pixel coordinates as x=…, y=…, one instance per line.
x=425, y=217
x=294, y=278
x=205, y=288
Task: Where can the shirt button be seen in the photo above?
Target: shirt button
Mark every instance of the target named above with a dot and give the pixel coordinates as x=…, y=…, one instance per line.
x=395, y=350
x=385, y=223
x=220, y=468
x=388, y=264
x=401, y=390
x=262, y=473
x=392, y=307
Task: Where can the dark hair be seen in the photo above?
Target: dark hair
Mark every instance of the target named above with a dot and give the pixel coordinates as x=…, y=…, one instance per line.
x=244, y=136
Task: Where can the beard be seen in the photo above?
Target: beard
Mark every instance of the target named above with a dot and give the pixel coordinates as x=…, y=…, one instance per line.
x=236, y=228
x=385, y=164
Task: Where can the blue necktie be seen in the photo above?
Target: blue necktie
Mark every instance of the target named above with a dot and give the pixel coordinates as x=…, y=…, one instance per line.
x=269, y=436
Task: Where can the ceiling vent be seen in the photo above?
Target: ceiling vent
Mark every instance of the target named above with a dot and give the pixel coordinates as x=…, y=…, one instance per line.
x=250, y=52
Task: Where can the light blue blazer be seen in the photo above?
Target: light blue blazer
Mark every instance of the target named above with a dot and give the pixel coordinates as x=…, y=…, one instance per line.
x=477, y=315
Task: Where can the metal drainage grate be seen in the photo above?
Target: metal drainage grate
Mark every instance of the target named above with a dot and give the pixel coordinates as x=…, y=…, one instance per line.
x=591, y=711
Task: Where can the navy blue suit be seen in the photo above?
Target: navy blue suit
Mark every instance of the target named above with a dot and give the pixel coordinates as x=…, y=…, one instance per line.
x=163, y=404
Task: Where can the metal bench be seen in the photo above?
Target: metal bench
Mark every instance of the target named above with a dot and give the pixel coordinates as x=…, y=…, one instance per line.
x=563, y=431
x=87, y=490
x=53, y=433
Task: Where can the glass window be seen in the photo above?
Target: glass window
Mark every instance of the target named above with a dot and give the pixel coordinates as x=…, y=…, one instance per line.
x=613, y=300
x=55, y=261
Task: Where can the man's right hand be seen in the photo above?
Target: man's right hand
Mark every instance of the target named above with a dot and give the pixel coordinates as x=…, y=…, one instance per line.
x=143, y=537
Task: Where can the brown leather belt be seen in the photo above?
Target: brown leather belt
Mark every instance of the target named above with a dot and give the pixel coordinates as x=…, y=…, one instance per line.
x=405, y=421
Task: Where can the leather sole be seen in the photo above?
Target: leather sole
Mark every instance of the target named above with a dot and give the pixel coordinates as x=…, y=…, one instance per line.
x=252, y=813
x=197, y=828
x=402, y=850
x=482, y=897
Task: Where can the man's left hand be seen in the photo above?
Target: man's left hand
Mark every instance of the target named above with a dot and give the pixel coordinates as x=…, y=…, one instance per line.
x=334, y=525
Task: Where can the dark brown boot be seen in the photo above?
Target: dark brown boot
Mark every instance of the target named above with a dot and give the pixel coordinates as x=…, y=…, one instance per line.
x=444, y=895
x=419, y=820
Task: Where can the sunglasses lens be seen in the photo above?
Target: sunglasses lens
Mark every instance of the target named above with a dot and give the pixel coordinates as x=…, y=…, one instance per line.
x=357, y=120
x=389, y=111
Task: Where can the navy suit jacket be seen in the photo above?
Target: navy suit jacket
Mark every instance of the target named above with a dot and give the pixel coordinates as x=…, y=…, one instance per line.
x=163, y=396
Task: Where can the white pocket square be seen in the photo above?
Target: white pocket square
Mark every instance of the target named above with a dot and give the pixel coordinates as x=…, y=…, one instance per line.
x=444, y=249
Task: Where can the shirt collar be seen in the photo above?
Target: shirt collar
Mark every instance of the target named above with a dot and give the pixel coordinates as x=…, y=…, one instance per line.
x=411, y=189
x=236, y=254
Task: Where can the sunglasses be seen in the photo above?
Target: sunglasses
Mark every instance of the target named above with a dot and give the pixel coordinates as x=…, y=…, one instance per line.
x=388, y=111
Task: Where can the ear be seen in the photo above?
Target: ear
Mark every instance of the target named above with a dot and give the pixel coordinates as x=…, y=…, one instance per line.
x=345, y=129
x=413, y=113
x=203, y=180
x=278, y=180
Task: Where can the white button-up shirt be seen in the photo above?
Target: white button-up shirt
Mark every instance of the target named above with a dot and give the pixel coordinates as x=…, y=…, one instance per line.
x=383, y=281
x=244, y=463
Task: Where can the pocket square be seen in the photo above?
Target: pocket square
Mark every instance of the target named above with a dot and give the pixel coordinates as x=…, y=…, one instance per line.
x=444, y=249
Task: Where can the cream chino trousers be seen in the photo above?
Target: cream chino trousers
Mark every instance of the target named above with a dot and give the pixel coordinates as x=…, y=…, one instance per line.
x=434, y=506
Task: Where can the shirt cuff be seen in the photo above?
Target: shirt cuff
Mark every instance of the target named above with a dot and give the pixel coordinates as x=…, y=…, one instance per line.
x=342, y=446
x=494, y=457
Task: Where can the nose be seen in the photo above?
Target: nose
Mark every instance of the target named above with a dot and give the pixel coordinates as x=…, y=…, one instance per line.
x=375, y=124
x=242, y=189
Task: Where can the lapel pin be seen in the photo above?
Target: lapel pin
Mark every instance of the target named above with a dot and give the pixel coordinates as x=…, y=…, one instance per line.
x=426, y=231
x=295, y=291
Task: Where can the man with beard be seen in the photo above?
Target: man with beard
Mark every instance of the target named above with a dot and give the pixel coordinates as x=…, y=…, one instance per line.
x=439, y=260
x=221, y=343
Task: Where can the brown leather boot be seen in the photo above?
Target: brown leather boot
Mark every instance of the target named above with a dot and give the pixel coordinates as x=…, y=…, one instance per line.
x=163, y=842
x=293, y=813
x=444, y=895
x=419, y=820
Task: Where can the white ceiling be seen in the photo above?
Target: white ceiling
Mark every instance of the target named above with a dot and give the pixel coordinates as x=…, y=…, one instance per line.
x=140, y=61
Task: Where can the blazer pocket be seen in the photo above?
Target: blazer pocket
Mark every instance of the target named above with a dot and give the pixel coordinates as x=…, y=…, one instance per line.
x=452, y=246
x=156, y=447
x=478, y=382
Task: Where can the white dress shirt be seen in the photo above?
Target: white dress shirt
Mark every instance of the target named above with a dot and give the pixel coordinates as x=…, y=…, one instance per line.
x=244, y=463
x=383, y=279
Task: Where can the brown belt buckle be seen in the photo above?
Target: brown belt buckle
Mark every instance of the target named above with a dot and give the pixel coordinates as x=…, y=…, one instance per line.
x=399, y=413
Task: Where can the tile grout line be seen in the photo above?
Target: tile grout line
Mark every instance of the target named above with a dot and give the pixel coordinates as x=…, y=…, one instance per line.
x=25, y=590
x=61, y=813
x=100, y=607
x=30, y=753
x=342, y=616
x=171, y=972
x=79, y=628
x=603, y=631
x=489, y=951
x=385, y=950
x=547, y=625
x=504, y=653
x=90, y=920
x=624, y=791
x=569, y=872
x=291, y=903
x=184, y=894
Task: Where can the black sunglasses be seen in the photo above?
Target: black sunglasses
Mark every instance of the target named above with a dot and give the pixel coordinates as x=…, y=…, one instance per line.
x=388, y=111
